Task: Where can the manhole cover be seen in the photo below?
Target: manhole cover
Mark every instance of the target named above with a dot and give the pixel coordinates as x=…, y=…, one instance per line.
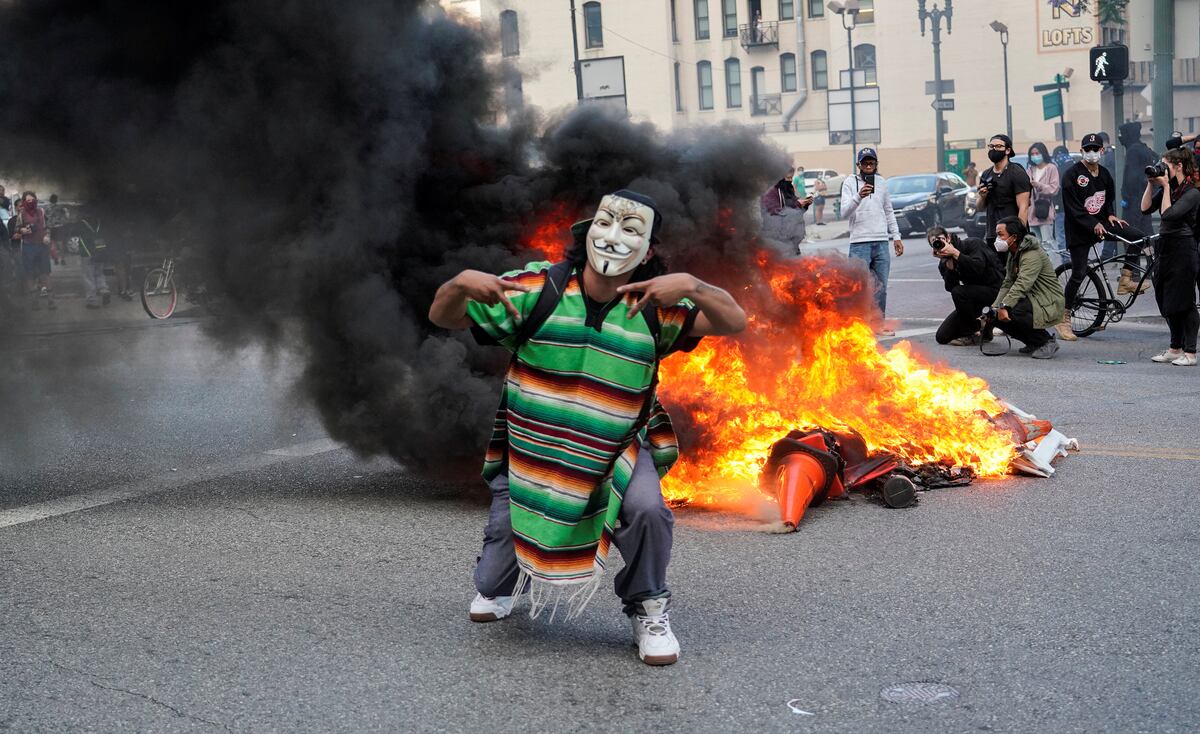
x=922, y=693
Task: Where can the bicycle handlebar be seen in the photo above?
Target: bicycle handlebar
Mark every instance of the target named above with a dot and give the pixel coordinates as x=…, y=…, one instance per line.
x=1114, y=235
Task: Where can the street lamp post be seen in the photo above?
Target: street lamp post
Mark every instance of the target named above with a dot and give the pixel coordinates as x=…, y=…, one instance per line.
x=849, y=9
x=1002, y=29
x=935, y=17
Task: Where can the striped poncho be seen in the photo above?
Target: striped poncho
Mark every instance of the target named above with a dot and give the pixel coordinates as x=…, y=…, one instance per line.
x=566, y=430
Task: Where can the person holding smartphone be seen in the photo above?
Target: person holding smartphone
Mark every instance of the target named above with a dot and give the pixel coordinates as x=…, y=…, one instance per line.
x=868, y=208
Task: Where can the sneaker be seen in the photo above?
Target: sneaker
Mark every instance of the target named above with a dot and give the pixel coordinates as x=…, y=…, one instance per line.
x=1027, y=349
x=964, y=341
x=490, y=609
x=1185, y=360
x=1047, y=350
x=44, y=292
x=1168, y=356
x=652, y=632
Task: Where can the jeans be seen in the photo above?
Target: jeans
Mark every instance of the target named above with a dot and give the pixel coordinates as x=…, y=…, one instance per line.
x=1060, y=229
x=94, y=280
x=969, y=301
x=1045, y=235
x=644, y=539
x=879, y=260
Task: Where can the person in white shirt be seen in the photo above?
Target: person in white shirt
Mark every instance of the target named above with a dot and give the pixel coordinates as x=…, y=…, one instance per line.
x=868, y=208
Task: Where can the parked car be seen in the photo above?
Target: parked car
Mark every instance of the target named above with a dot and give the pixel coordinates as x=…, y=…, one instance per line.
x=833, y=180
x=927, y=199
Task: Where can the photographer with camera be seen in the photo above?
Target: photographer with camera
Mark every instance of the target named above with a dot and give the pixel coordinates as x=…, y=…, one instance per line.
x=972, y=274
x=1004, y=189
x=1170, y=190
x=1029, y=299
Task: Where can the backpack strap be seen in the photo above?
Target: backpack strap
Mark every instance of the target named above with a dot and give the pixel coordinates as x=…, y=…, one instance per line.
x=557, y=277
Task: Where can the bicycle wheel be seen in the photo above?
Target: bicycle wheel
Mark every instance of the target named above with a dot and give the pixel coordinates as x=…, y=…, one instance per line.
x=159, y=295
x=1090, y=304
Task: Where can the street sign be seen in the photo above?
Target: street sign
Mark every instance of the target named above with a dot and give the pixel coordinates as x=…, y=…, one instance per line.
x=1060, y=134
x=942, y=104
x=1052, y=105
x=947, y=87
x=1053, y=86
x=1109, y=63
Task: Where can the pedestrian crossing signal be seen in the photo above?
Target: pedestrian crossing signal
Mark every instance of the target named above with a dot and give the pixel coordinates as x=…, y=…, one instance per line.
x=1109, y=63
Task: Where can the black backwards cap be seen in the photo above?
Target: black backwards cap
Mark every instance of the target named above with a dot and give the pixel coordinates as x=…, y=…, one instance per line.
x=580, y=228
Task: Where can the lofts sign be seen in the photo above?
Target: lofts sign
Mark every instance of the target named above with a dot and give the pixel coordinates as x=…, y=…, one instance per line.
x=1065, y=25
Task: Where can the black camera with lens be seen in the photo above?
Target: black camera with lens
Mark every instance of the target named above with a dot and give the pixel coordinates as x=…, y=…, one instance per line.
x=1156, y=170
x=938, y=244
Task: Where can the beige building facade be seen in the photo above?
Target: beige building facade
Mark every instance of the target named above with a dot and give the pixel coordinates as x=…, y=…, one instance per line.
x=780, y=65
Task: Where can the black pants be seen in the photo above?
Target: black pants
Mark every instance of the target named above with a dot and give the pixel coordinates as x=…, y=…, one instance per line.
x=1184, y=326
x=1079, y=259
x=969, y=301
x=1020, y=325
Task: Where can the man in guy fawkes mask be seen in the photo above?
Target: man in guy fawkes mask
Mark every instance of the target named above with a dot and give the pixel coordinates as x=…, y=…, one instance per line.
x=580, y=439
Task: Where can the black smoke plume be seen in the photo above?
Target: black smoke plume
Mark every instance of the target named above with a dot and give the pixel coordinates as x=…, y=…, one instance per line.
x=331, y=164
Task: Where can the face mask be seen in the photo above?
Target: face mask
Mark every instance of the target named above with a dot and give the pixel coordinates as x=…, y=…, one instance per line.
x=1091, y=156
x=1036, y=159
x=619, y=237
x=1001, y=245
x=995, y=156
x=29, y=205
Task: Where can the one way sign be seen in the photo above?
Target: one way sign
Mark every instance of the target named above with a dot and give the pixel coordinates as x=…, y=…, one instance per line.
x=1109, y=63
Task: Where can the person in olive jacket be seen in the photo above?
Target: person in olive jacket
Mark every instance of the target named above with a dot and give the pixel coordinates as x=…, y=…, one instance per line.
x=1030, y=298
x=972, y=274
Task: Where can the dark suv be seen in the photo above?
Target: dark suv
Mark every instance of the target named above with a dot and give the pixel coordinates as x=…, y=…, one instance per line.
x=926, y=199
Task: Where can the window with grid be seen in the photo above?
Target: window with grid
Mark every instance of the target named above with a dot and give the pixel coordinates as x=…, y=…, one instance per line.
x=733, y=83
x=787, y=10
x=816, y=8
x=820, y=70
x=701, y=20
x=678, y=90
x=729, y=13
x=864, y=58
x=787, y=72
x=704, y=79
x=866, y=12
x=510, y=44
x=593, y=26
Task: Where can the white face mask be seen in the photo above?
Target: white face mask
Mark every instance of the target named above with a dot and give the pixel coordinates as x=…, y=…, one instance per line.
x=619, y=238
x=1001, y=245
x=1091, y=156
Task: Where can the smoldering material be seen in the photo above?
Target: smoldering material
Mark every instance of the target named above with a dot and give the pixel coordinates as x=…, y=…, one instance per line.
x=330, y=164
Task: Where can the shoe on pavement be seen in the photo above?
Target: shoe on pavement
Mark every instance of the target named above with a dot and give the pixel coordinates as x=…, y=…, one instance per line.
x=493, y=609
x=1064, y=329
x=964, y=341
x=1185, y=360
x=1168, y=356
x=652, y=632
x=1047, y=350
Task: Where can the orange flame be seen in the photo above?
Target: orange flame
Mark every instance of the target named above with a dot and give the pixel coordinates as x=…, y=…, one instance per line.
x=551, y=233
x=810, y=359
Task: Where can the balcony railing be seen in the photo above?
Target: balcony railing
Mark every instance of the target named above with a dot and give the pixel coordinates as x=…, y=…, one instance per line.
x=755, y=35
x=766, y=104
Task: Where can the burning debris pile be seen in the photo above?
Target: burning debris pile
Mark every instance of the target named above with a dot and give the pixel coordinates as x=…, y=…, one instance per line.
x=807, y=404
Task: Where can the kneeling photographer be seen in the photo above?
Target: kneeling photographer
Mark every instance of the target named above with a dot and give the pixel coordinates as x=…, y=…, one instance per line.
x=972, y=274
x=1030, y=298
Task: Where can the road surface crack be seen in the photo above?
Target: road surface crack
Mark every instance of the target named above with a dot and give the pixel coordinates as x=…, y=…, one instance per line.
x=91, y=677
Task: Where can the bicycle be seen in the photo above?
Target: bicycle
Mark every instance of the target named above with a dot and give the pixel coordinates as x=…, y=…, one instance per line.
x=1097, y=304
x=159, y=294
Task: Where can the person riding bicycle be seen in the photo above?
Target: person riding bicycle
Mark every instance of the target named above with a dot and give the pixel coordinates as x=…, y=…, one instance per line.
x=1029, y=299
x=1177, y=199
x=1088, y=191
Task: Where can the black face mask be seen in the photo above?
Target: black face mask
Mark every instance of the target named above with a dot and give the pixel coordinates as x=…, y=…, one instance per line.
x=995, y=156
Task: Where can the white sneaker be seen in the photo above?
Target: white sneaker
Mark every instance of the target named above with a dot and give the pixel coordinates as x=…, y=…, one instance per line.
x=1168, y=356
x=652, y=632
x=1185, y=360
x=484, y=609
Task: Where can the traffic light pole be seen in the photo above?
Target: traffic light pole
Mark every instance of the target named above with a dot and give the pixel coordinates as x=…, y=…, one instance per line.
x=1118, y=92
x=1163, y=86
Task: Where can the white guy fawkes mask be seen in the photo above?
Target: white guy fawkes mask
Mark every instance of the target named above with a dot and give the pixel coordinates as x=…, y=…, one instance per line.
x=619, y=238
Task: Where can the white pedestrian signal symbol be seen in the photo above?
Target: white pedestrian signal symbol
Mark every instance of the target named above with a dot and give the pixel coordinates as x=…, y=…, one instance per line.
x=1101, y=65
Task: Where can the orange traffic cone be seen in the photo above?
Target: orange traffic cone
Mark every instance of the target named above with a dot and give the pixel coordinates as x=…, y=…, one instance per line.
x=805, y=479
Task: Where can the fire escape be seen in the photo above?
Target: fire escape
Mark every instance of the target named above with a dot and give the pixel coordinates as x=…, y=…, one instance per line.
x=756, y=36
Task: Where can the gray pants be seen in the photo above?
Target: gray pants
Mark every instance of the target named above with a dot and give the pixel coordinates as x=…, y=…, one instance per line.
x=94, y=280
x=643, y=538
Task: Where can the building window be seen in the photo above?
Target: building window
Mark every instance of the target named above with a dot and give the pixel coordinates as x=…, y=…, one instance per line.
x=864, y=58
x=866, y=11
x=704, y=78
x=701, y=20
x=593, y=28
x=816, y=8
x=820, y=70
x=787, y=72
x=510, y=44
x=678, y=90
x=674, y=29
x=787, y=10
x=733, y=83
x=729, y=13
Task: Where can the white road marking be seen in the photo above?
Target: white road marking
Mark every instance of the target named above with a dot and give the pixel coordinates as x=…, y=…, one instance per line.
x=906, y=333
x=172, y=479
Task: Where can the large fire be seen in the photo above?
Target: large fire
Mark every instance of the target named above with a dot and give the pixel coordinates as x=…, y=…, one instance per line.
x=551, y=233
x=809, y=359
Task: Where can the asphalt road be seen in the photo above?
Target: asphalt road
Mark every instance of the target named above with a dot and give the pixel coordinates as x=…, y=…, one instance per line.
x=226, y=568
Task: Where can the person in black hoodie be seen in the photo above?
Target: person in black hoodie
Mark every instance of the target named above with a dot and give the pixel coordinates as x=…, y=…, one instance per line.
x=1138, y=155
x=972, y=273
x=1088, y=191
x=1175, y=278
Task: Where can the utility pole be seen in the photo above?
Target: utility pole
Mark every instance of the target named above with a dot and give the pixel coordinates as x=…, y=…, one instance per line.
x=575, y=47
x=848, y=9
x=1163, y=89
x=1118, y=93
x=1003, y=31
x=935, y=17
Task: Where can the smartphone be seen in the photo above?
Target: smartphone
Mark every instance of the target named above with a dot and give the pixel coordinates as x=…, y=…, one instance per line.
x=869, y=178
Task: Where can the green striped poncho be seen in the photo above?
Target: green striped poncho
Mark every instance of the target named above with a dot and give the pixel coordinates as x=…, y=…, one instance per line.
x=566, y=430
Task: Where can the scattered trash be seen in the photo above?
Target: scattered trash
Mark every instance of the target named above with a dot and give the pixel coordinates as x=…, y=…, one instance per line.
x=792, y=705
x=1110, y=361
x=358, y=476
x=174, y=470
x=919, y=692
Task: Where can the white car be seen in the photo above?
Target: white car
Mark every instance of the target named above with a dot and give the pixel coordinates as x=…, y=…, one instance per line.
x=833, y=180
